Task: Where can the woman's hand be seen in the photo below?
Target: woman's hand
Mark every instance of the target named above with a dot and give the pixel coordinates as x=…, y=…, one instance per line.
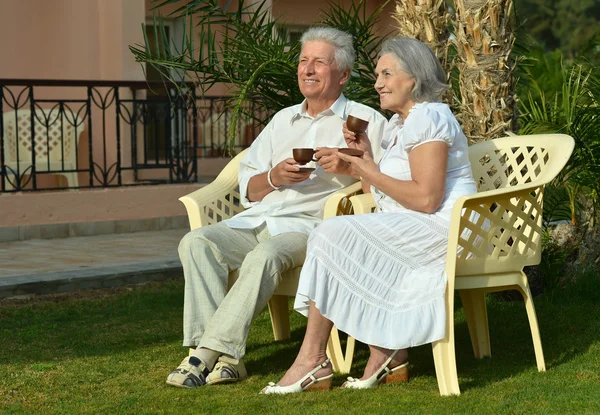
x=363, y=168
x=357, y=140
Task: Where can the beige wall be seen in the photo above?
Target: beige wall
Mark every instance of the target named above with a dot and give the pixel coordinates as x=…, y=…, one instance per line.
x=70, y=39
x=307, y=12
x=88, y=40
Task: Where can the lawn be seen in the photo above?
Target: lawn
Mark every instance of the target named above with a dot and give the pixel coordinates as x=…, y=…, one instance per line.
x=109, y=352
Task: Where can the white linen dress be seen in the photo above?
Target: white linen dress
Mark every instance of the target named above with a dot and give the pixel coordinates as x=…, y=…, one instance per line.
x=381, y=277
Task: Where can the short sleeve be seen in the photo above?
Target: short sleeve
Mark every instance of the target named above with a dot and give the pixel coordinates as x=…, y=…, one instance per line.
x=425, y=125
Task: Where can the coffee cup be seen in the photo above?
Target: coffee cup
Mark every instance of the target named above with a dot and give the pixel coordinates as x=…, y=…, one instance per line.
x=356, y=125
x=303, y=155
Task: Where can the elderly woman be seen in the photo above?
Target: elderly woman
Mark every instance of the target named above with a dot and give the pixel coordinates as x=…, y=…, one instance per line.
x=380, y=277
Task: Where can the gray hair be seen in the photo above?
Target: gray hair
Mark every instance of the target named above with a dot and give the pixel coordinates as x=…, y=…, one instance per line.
x=417, y=60
x=344, y=54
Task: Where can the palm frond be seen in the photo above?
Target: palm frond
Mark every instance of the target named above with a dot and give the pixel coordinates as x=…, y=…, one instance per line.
x=557, y=204
x=573, y=109
x=250, y=58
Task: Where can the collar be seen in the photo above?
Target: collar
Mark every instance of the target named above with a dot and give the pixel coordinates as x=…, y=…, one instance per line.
x=391, y=130
x=396, y=122
x=417, y=105
x=337, y=108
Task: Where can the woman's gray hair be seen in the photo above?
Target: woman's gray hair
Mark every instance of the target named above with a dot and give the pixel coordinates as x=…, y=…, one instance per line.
x=344, y=54
x=417, y=60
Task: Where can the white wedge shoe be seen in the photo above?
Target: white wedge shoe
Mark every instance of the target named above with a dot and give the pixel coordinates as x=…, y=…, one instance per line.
x=314, y=383
x=383, y=375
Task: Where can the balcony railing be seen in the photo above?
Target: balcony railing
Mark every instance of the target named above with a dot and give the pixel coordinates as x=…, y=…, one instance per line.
x=95, y=134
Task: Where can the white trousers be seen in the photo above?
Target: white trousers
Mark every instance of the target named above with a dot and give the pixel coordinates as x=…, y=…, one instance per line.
x=213, y=317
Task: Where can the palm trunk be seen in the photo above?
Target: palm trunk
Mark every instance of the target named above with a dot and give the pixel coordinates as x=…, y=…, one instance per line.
x=427, y=21
x=484, y=41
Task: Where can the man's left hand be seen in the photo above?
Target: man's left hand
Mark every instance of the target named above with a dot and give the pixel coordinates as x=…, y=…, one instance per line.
x=330, y=162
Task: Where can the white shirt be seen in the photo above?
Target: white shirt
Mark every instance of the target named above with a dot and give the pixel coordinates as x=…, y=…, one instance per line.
x=426, y=122
x=299, y=207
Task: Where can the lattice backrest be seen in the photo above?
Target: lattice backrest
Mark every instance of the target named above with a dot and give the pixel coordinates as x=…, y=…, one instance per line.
x=222, y=208
x=496, y=165
x=227, y=203
x=502, y=229
x=54, y=140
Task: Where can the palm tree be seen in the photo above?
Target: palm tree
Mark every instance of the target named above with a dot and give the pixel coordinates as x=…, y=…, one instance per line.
x=484, y=40
x=427, y=21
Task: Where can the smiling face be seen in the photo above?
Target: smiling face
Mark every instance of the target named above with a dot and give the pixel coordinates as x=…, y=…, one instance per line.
x=394, y=85
x=319, y=79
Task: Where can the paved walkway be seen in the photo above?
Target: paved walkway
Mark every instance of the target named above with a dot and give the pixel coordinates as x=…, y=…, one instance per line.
x=42, y=266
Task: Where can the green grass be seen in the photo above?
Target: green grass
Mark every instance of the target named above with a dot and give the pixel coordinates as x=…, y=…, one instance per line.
x=110, y=353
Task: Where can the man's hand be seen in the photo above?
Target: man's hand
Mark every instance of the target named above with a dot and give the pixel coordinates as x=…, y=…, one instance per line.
x=287, y=172
x=330, y=162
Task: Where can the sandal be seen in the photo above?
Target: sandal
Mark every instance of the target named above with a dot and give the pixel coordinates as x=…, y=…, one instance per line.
x=226, y=372
x=192, y=372
x=383, y=375
x=314, y=383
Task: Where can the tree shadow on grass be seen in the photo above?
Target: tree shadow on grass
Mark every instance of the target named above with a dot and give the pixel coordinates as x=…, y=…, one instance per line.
x=152, y=319
x=93, y=323
x=567, y=330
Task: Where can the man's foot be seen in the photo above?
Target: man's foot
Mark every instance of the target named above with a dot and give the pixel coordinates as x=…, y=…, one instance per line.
x=225, y=371
x=192, y=372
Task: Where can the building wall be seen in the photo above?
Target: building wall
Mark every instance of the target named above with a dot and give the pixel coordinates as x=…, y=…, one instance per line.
x=88, y=40
x=70, y=39
x=307, y=12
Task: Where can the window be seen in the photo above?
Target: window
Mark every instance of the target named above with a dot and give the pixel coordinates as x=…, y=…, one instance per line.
x=159, y=125
x=292, y=33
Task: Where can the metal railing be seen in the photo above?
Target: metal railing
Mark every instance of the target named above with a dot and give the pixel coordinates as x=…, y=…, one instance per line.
x=92, y=134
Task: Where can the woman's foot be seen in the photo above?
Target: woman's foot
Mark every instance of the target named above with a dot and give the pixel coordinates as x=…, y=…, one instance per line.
x=384, y=366
x=378, y=357
x=314, y=379
x=302, y=366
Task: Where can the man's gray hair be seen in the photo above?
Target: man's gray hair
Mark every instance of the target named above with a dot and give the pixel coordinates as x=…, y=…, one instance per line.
x=417, y=60
x=344, y=54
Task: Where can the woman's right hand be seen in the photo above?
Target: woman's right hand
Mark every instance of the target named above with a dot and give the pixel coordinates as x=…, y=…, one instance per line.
x=357, y=140
x=363, y=167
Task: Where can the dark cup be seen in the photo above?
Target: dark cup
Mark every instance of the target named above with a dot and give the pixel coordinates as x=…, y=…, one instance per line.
x=356, y=124
x=303, y=155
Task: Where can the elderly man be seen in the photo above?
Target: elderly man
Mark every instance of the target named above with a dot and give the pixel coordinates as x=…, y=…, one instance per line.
x=283, y=204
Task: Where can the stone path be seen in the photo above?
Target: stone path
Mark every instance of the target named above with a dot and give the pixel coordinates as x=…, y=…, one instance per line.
x=42, y=266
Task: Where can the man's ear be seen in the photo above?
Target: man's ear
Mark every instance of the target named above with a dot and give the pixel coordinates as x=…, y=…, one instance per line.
x=345, y=77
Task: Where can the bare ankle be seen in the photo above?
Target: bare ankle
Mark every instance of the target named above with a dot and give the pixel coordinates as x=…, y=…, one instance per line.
x=312, y=358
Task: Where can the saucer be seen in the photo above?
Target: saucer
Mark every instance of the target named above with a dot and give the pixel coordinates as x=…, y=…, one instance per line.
x=351, y=152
